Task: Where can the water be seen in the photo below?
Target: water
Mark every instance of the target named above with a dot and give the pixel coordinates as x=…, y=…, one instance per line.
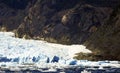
x=67, y=70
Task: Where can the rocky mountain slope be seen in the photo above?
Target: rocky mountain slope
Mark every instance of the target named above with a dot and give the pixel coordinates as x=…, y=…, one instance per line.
x=106, y=40
x=63, y=21
x=60, y=21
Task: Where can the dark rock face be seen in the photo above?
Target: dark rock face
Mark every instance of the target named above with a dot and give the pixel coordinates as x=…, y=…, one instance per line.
x=64, y=21
x=106, y=38
x=12, y=12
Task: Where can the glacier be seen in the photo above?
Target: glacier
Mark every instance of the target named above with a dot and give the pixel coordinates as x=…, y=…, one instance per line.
x=16, y=52
x=34, y=51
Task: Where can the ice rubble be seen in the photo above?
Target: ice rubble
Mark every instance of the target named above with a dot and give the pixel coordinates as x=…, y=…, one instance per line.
x=17, y=52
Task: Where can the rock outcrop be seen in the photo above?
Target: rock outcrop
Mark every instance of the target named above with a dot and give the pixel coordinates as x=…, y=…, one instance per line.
x=106, y=39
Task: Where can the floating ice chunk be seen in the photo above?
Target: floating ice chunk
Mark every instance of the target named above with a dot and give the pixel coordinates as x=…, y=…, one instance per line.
x=85, y=71
x=115, y=62
x=55, y=59
x=71, y=62
x=101, y=67
x=74, y=62
x=52, y=70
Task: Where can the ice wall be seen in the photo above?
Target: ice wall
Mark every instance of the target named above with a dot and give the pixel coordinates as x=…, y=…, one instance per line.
x=33, y=51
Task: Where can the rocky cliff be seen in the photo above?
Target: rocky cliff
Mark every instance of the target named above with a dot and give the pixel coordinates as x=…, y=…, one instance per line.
x=64, y=21
x=106, y=39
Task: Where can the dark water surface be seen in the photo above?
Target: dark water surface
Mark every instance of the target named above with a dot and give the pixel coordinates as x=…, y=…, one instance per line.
x=67, y=70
